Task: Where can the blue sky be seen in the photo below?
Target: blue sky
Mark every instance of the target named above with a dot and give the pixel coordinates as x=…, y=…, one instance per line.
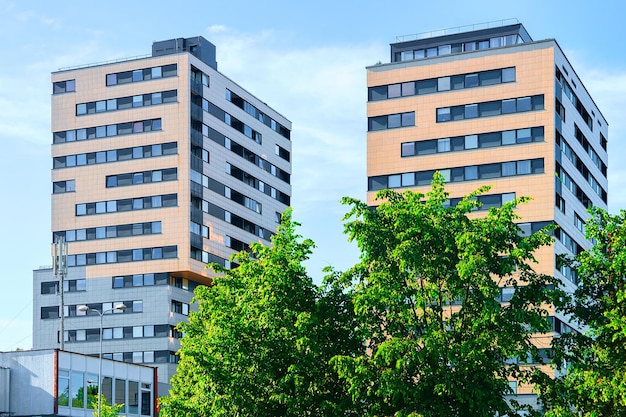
x=305, y=59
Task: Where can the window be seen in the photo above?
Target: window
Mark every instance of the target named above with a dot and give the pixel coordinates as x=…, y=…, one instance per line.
x=408, y=119
x=523, y=167
x=408, y=89
x=391, y=121
x=471, y=173
x=126, y=103
x=67, y=86
x=443, y=145
x=483, y=140
x=408, y=180
x=471, y=80
x=169, y=174
x=508, y=137
x=457, y=174
x=408, y=149
x=489, y=171
x=508, y=75
x=394, y=90
x=471, y=141
x=49, y=287
x=490, y=108
x=508, y=106
x=168, y=200
x=50, y=312
x=425, y=147
x=471, y=111
x=426, y=86
x=524, y=104
x=579, y=222
x=60, y=187
x=443, y=84
x=107, y=131
x=508, y=169
x=394, y=181
x=492, y=77
x=443, y=114
x=377, y=93
x=141, y=74
x=469, y=46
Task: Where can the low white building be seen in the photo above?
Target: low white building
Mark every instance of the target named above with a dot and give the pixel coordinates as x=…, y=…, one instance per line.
x=52, y=382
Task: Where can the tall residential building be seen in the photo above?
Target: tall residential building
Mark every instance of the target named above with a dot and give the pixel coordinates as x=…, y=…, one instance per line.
x=160, y=164
x=489, y=105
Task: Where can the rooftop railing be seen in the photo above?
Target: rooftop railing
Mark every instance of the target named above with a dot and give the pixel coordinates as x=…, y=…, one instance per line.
x=457, y=29
x=112, y=61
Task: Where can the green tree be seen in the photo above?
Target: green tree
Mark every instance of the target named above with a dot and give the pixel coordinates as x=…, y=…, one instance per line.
x=106, y=409
x=262, y=338
x=594, y=361
x=437, y=339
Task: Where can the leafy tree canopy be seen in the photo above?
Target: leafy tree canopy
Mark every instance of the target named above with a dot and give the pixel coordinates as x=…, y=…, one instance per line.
x=263, y=335
x=427, y=293
x=595, y=359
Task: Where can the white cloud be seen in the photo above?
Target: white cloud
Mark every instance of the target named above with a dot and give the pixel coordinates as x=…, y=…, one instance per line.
x=216, y=29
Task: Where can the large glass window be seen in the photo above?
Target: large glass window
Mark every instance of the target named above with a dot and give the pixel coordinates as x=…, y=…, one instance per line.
x=120, y=393
x=63, y=388
x=77, y=392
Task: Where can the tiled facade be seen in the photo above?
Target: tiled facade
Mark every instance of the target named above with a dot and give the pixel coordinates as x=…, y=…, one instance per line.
x=160, y=165
x=402, y=154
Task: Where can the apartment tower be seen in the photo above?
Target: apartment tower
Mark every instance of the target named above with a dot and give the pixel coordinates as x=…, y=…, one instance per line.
x=160, y=165
x=487, y=104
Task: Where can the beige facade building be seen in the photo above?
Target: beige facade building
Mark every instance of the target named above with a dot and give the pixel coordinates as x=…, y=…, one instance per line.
x=161, y=164
x=488, y=105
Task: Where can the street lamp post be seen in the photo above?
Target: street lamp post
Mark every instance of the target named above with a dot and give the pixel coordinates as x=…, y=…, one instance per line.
x=85, y=309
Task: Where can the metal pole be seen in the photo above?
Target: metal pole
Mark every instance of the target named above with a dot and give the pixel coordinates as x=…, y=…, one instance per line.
x=63, y=265
x=100, y=370
x=86, y=310
x=59, y=265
